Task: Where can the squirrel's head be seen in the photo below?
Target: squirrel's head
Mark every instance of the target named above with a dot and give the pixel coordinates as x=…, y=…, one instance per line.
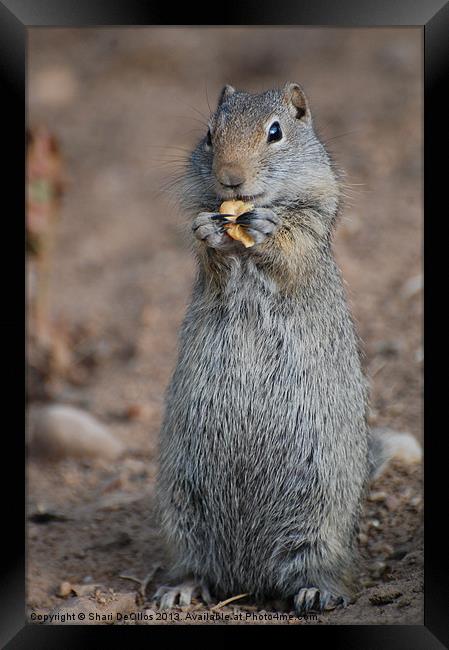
x=263, y=148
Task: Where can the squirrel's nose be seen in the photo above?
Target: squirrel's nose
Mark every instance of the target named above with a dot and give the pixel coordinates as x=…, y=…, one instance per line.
x=231, y=177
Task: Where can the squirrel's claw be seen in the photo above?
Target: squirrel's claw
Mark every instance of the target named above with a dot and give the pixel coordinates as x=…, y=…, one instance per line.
x=311, y=599
x=209, y=228
x=307, y=600
x=181, y=595
x=260, y=223
x=221, y=218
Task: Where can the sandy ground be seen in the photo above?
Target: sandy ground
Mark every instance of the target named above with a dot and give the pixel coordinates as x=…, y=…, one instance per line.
x=126, y=105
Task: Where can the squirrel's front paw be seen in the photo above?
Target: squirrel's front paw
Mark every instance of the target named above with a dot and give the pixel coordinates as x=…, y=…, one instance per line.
x=260, y=223
x=209, y=228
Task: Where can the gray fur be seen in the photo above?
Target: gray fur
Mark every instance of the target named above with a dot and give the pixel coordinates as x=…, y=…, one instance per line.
x=264, y=445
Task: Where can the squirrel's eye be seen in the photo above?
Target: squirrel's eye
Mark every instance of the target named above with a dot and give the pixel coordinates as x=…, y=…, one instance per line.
x=209, y=138
x=274, y=132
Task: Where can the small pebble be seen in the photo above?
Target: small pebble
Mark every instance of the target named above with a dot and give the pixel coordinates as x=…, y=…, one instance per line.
x=413, y=286
x=363, y=539
x=59, y=431
x=377, y=496
x=392, y=502
x=65, y=589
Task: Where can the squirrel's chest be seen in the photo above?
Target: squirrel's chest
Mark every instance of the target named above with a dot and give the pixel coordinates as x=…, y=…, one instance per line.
x=247, y=324
x=249, y=306
x=242, y=345
x=242, y=354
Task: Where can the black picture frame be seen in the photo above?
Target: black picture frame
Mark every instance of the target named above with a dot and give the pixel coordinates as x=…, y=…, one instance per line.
x=16, y=16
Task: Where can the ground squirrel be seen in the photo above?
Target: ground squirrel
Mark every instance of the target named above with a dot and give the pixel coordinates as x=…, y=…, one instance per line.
x=263, y=459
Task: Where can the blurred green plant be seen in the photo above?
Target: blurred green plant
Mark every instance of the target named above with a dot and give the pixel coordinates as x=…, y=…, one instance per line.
x=45, y=185
x=46, y=350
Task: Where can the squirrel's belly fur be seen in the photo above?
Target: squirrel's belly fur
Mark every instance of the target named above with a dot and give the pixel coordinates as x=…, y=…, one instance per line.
x=263, y=452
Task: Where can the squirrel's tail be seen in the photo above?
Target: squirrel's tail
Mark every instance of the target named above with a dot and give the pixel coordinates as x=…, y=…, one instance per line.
x=387, y=445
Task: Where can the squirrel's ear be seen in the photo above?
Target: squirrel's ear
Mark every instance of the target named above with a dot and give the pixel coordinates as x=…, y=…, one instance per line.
x=297, y=101
x=225, y=93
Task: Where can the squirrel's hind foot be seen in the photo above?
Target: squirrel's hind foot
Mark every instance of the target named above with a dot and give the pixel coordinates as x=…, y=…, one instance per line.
x=311, y=599
x=181, y=595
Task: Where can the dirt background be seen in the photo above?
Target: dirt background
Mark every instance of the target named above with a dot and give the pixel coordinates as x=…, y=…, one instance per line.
x=126, y=104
